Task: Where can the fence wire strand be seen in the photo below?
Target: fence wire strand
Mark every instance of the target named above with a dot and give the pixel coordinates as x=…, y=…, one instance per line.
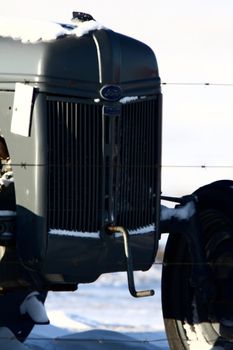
x=180, y=83
x=97, y=340
x=202, y=166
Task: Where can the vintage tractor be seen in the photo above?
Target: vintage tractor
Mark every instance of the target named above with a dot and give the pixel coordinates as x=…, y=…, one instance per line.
x=80, y=148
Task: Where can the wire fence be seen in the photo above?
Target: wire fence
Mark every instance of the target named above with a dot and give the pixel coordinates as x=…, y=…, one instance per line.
x=221, y=84
x=198, y=166
x=98, y=340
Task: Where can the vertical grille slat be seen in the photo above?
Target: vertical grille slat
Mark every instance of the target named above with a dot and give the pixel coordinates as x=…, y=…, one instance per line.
x=76, y=162
x=68, y=153
x=97, y=142
x=150, y=161
x=146, y=162
x=139, y=169
x=87, y=182
x=72, y=161
x=83, y=145
x=63, y=160
x=130, y=165
x=79, y=175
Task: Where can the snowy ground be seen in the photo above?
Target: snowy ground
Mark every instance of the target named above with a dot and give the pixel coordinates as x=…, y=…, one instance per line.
x=101, y=316
x=104, y=316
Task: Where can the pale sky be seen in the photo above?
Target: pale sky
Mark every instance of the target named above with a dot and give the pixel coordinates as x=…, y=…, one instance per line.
x=192, y=40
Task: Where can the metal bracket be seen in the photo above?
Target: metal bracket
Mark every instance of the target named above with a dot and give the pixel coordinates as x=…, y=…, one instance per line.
x=128, y=255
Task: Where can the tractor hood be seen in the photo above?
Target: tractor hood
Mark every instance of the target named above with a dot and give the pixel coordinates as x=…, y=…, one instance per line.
x=81, y=58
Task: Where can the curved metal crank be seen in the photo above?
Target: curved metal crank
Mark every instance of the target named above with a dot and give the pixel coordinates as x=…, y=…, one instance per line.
x=129, y=261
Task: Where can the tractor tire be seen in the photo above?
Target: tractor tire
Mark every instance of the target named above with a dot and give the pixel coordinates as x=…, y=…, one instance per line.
x=190, y=323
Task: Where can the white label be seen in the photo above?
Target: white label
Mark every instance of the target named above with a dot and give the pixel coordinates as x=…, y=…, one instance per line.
x=22, y=108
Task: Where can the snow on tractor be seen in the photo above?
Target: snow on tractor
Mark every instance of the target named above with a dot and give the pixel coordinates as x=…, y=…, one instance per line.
x=80, y=149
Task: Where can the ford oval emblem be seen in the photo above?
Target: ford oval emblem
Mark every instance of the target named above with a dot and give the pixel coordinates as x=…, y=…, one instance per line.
x=111, y=92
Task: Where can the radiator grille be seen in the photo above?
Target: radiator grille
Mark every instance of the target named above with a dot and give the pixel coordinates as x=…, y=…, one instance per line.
x=101, y=168
x=74, y=146
x=137, y=178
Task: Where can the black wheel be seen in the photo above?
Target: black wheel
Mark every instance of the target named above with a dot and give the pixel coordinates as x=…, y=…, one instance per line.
x=10, y=316
x=190, y=323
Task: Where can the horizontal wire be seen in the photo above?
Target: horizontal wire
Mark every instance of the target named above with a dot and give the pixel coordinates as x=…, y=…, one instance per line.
x=204, y=83
x=203, y=166
x=196, y=166
x=80, y=340
x=102, y=340
x=197, y=84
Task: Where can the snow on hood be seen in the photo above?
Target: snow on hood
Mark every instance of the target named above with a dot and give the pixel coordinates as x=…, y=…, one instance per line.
x=86, y=27
x=33, y=31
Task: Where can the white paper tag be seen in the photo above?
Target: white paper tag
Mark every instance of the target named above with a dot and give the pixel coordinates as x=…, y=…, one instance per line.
x=22, y=109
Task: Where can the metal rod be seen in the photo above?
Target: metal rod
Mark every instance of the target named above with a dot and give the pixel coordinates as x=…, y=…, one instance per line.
x=128, y=255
